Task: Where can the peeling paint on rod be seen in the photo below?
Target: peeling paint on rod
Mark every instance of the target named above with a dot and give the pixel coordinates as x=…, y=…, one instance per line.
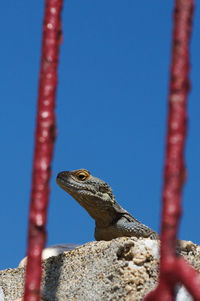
x=44, y=145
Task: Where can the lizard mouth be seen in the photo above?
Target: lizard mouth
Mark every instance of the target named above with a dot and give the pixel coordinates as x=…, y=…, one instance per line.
x=63, y=183
x=74, y=187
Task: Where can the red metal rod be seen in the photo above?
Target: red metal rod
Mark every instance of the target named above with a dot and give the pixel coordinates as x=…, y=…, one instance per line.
x=174, y=173
x=189, y=277
x=44, y=145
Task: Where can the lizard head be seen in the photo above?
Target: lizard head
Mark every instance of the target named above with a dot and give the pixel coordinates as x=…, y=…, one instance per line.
x=90, y=192
x=81, y=183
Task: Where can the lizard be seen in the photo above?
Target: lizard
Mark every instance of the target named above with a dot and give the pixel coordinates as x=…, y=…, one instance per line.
x=97, y=198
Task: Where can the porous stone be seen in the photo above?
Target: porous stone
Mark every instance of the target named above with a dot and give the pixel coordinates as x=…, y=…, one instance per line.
x=52, y=251
x=120, y=269
x=1, y=295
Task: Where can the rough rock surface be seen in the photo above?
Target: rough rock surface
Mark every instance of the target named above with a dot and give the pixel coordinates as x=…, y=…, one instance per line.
x=120, y=269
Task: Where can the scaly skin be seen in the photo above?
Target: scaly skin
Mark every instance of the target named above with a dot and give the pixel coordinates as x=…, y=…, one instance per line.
x=96, y=197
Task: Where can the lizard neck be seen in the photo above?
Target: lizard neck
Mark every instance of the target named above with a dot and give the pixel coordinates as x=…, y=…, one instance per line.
x=104, y=213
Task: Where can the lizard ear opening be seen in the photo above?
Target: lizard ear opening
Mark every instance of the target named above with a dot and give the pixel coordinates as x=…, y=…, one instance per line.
x=103, y=189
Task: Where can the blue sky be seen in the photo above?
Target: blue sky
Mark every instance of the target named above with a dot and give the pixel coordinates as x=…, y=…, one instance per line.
x=111, y=114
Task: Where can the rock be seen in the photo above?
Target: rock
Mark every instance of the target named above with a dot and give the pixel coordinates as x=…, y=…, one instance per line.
x=1, y=295
x=120, y=269
x=52, y=251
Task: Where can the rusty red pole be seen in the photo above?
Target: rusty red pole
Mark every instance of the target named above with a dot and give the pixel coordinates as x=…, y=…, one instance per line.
x=173, y=269
x=44, y=144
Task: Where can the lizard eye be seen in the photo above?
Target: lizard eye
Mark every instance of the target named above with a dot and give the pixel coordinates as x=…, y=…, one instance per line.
x=82, y=175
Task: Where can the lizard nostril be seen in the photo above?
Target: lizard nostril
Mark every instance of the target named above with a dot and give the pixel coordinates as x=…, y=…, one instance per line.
x=58, y=176
x=61, y=175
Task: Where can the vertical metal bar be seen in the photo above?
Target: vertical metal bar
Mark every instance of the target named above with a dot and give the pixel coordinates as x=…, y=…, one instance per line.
x=44, y=145
x=174, y=172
